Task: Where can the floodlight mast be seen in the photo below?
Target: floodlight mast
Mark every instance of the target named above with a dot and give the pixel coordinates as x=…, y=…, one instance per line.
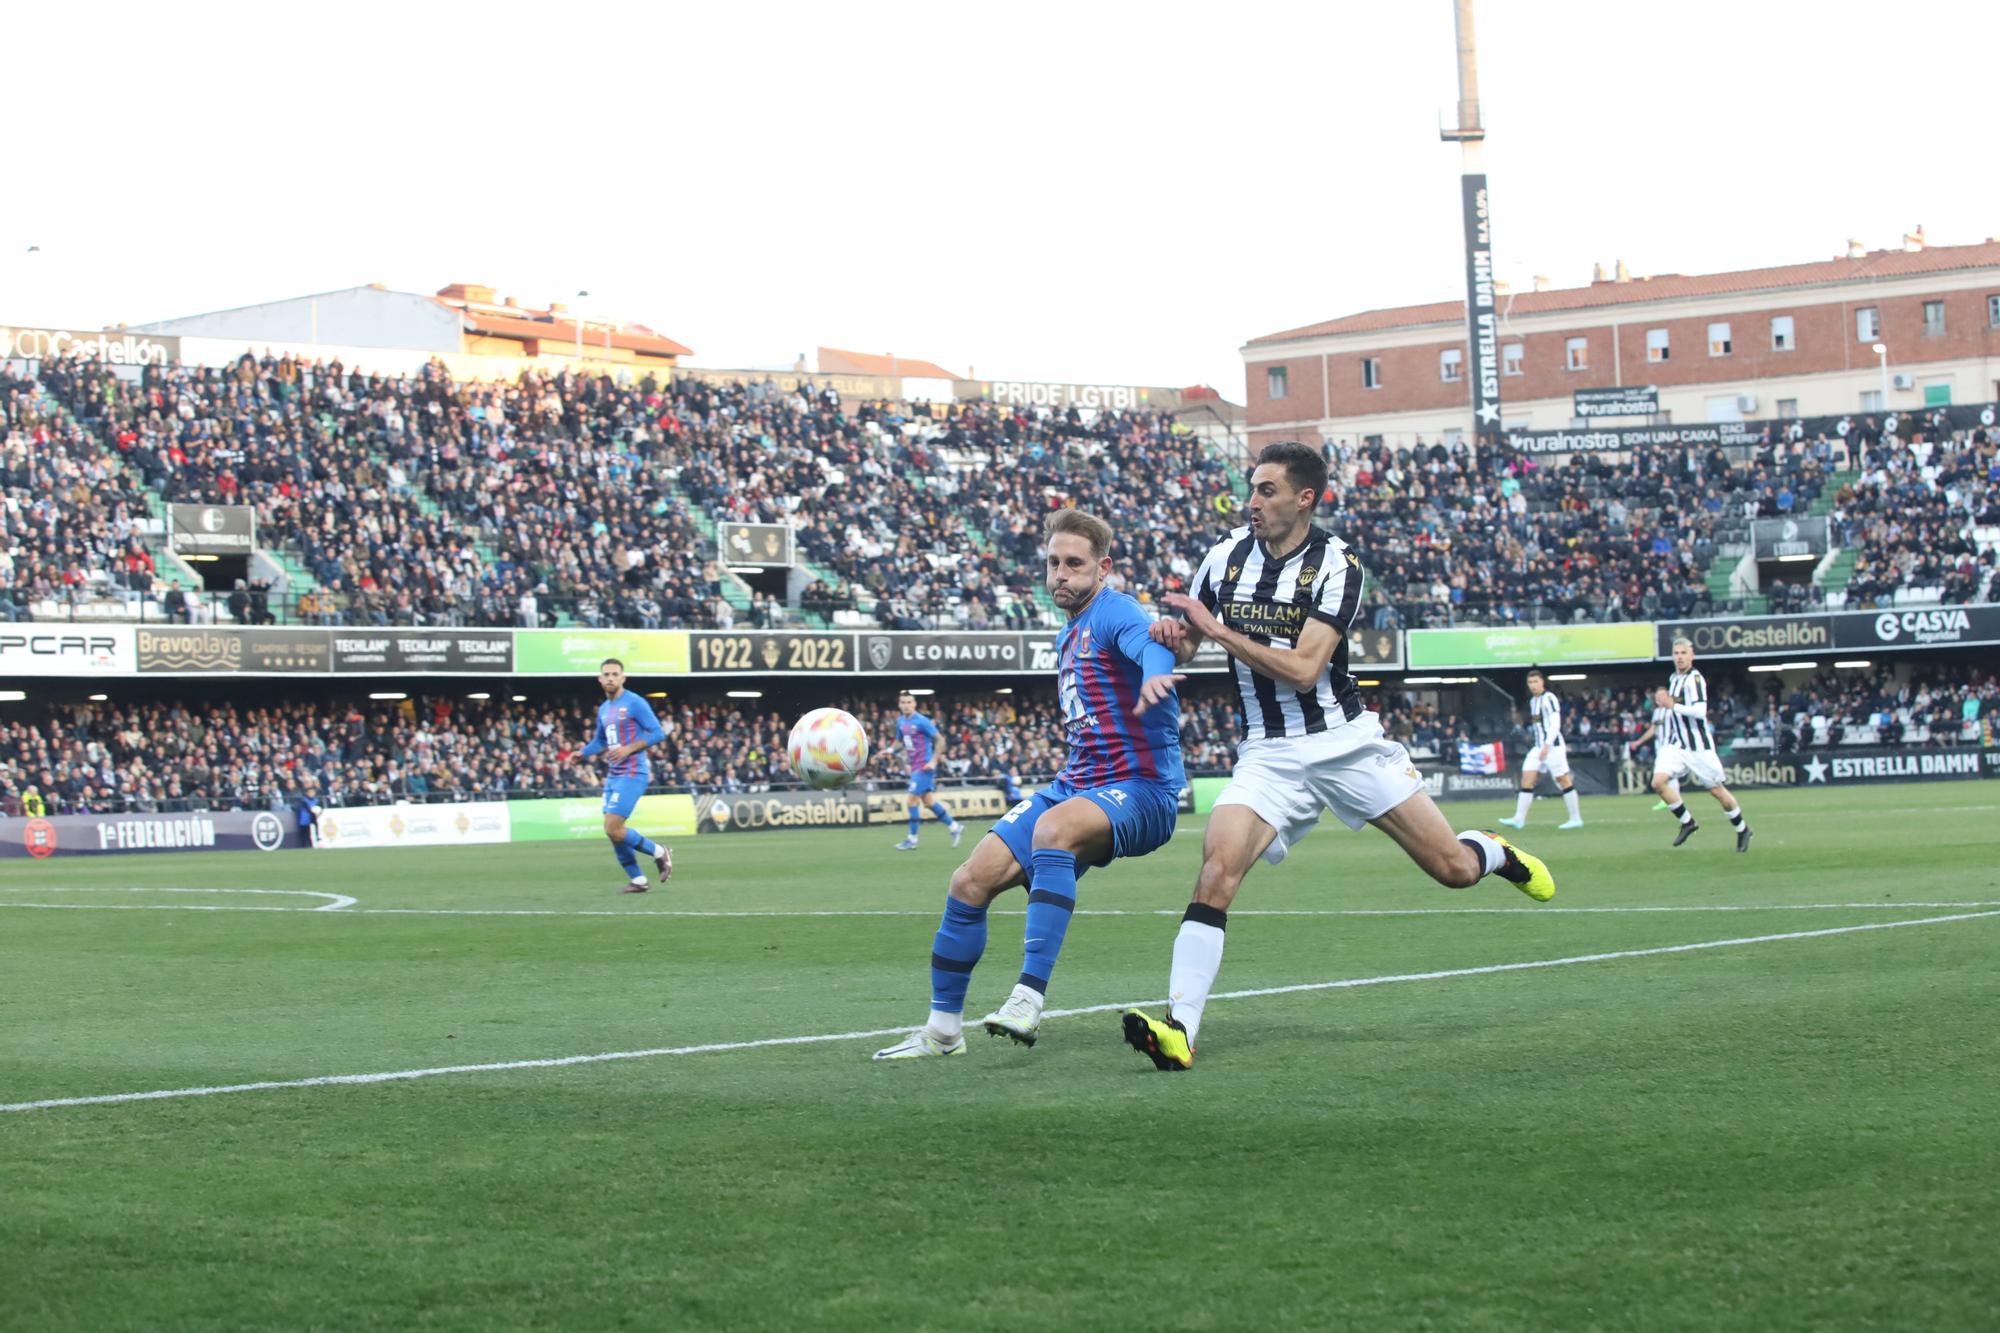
x=1482, y=327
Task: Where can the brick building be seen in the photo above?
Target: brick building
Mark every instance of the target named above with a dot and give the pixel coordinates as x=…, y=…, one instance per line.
x=1797, y=340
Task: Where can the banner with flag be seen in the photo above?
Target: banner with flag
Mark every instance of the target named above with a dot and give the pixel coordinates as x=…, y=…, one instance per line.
x=1482, y=758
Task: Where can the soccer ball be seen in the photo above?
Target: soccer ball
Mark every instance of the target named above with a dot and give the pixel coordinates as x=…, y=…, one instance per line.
x=828, y=748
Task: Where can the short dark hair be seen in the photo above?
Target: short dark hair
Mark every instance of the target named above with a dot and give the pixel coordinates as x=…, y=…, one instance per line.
x=610, y=661
x=1304, y=468
x=1537, y=671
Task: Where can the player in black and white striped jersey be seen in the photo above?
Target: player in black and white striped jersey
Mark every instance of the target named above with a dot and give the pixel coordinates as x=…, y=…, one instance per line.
x=1546, y=753
x=1687, y=747
x=1279, y=595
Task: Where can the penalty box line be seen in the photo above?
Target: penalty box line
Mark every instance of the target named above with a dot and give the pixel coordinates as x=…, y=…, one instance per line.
x=604, y=1057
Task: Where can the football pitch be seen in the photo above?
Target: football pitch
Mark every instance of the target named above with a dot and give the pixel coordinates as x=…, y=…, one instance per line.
x=1698, y=1090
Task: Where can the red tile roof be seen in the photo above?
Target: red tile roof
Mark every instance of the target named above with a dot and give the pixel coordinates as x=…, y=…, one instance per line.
x=1876, y=264
x=511, y=322
x=833, y=361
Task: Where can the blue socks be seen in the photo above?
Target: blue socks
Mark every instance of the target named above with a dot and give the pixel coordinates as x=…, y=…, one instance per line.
x=1051, y=900
x=626, y=858
x=937, y=808
x=961, y=938
x=915, y=815
x=638, y=842
x=627, y=851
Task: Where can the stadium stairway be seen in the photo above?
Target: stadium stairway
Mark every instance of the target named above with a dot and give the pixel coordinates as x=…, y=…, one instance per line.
x=734, y=590
x=1833, y=573
x=176, y=571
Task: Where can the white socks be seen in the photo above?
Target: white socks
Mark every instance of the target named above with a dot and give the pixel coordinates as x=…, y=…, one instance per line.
x=1572, y=804
x=1197, y=959
x=946, y=1025
x=1521, y=804
x=1492, y=854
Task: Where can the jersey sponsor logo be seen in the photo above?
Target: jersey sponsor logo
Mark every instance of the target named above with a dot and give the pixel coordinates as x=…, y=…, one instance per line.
x=1264, y=617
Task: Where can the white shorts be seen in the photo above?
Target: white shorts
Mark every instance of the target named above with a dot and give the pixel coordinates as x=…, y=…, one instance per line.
x=1704, y=766
x=1353, y=770
x=1556, y=765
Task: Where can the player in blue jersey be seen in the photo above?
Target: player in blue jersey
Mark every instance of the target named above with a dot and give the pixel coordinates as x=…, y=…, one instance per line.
x=1117, y=796
x=625, y=727
x=918, y=736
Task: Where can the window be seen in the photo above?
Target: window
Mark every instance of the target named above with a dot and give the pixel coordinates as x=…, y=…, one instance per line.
x=1718, y=340
x=1277, y=382
x=1510, y=355
x=1371, y=372
x=1451, y=365
x=1788, y=409
x=1993, y=312
x=1782, y=339
x=1933, y=319
x=1576, y=353
x=1871, y=400
x=1657, y=347
x=1867, y=324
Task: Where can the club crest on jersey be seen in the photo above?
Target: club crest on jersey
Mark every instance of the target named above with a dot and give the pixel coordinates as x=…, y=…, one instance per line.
x=1083, y=646
x=1307, y=575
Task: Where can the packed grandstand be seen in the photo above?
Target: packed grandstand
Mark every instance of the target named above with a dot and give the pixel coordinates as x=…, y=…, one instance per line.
x=564, y=499
x=580, y=500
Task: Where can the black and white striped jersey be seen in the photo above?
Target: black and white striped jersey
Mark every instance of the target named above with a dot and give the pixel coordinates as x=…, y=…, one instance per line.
x=1690, y=733
x=1545, y=713
x=1269, y=602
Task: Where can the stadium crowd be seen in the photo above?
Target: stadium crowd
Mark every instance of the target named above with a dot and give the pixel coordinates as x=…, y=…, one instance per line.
x=68, y=509
x=1913, y=516
x=1927, y=707
x=84, y=758
x=561, y=498
x=1451, y=535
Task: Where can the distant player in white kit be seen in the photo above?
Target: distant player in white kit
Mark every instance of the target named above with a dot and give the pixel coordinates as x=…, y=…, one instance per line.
x=1546, y=753
x=1687, y=747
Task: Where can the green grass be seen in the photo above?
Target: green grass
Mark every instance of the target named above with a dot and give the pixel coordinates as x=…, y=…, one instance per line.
x=1785, y=1135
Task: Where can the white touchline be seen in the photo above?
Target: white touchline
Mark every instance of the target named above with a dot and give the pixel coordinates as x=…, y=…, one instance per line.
x=335, y=901
x=558, y=1062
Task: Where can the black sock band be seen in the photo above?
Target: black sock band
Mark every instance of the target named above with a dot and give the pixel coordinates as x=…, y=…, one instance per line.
x=1678, y=810
x=1204, y=915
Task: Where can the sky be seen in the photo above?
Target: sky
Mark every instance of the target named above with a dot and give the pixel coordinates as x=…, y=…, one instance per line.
x=1081, y=192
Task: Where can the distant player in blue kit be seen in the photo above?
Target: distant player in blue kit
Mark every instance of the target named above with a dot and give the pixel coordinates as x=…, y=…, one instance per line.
x=625, y=727
x=1118, y=795
x=918, y=736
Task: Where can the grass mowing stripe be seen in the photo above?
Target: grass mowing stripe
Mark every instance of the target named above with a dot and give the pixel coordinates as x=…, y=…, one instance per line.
x=332, y=1080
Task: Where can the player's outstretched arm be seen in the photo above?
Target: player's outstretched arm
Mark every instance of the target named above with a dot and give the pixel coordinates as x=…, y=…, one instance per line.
x=1177, y=637
x=1300, y=667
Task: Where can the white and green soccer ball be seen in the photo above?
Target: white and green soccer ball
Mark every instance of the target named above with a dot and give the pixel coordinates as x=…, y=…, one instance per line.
x=828, y=748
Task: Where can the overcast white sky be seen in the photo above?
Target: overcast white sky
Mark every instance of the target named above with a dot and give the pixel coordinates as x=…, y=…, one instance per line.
x=1075, y=191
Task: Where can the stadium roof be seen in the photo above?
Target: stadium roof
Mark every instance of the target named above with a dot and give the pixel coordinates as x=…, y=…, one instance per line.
x=834, y=361
x=1875, y=264
x=483, y=315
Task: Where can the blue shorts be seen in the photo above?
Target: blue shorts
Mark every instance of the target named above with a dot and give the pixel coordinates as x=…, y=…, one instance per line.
x=923, y=781
x=621, y=795
x=1142, y=817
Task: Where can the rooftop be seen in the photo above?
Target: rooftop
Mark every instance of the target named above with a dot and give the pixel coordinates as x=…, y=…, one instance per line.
x=1853, y=267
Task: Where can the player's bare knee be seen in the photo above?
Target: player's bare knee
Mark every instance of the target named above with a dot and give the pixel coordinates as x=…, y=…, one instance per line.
x=614, y=828
x=969, y=886
x=1217, y=884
